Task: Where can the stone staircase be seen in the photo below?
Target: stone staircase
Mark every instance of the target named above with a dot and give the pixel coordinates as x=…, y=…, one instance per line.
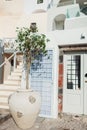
x=8, y=87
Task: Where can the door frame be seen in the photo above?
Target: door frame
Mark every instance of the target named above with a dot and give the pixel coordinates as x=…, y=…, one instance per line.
x=85, y=85
x=80, y=93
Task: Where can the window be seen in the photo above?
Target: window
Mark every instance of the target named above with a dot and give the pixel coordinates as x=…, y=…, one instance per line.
x=39, y=1
x=84, y=10
x=73, y=72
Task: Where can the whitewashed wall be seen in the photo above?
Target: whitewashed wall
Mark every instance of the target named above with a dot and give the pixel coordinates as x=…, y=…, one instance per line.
x=55, y=11
x=11, y=7
x=8, y=24
x=76, y=22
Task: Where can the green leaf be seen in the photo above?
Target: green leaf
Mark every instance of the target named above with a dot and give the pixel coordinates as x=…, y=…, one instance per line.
x=30, y=42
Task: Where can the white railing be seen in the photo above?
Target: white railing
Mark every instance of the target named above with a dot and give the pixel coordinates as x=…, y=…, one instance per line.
x=65, y=3
x=13, y=55
x=9, y=44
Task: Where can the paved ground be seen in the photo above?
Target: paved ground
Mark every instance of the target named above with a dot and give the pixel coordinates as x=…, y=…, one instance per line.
x=65, y=122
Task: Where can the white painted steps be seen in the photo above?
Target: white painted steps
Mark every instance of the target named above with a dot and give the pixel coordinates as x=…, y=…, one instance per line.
x=12, y=82
x=10, y=86
x=4, y=87
x=15, y=73
x=19, y=70
x=4, y=108
x=19, y=67
x=16, y=77
x=4, y=101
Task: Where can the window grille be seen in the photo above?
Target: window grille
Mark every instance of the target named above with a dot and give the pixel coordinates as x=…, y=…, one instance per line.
x=39, y=1
x=73, y=72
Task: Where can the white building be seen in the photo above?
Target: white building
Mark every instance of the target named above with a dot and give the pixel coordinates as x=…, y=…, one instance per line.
x=66, y=27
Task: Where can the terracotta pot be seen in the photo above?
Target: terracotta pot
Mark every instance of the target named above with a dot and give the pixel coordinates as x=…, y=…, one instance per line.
x=25, y=106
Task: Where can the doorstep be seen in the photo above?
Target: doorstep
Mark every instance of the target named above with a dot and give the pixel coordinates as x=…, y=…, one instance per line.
x=4, y=117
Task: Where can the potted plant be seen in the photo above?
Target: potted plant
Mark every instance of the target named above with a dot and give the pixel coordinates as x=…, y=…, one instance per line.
x=25, y=103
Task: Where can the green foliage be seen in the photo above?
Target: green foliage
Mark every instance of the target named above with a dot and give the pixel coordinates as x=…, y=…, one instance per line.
x=30, y=42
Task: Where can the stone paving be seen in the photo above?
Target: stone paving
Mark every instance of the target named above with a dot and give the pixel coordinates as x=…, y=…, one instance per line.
x=64, y=122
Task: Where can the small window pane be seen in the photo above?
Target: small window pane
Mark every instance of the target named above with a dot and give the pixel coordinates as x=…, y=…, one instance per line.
x=39, y=1
x=73, y=72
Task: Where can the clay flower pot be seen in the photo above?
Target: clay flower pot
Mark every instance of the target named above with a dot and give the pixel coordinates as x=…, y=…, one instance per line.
x=25, y=106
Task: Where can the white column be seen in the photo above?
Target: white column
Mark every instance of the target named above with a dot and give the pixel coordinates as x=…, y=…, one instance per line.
x=15, y=60
x=55, y=81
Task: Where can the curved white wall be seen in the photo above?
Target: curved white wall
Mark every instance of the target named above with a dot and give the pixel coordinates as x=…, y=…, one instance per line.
x=55, y=11
x=76, y=22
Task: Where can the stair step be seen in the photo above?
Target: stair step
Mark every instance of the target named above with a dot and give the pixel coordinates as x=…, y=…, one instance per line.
x=16, y=73
x=12, y=82
x=4, y=111
x=8, y=88
x=4, y=106
x=19, y=67
x=21, y=63
x=4, y=93
x=15, y=77
x=4, y=100
x=18, y=70
x=4, y=103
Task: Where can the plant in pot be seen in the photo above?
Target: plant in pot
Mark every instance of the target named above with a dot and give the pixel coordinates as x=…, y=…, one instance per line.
x=25, y=104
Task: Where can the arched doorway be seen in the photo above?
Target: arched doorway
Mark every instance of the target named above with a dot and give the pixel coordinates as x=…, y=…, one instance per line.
x=58, y=22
